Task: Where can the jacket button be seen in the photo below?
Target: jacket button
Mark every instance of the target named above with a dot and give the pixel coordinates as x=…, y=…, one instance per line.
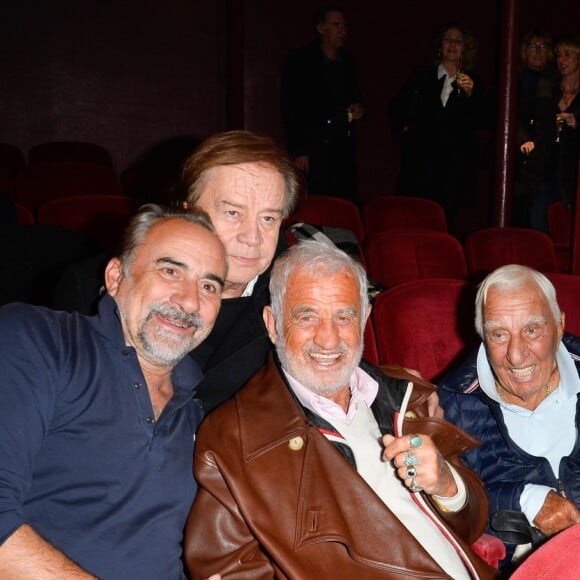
x=296, y=443
x=411, y=415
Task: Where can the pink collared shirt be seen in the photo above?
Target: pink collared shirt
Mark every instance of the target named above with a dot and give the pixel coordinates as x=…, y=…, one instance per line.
x=363, y=389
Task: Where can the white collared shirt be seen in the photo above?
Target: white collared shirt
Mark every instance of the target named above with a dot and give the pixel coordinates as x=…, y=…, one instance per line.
x=447, y=88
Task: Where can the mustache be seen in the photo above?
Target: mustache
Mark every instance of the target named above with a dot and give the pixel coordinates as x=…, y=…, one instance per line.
x=176, y=315
x=340, y=348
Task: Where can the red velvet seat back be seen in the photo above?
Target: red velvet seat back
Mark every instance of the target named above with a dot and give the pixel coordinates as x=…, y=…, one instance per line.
x=325, y=210
x=23, y=215
x=394, y=212
x=66, y=151
x=399, y=256
x=426, y=325
x=41, y=182
x=568, y=294
x=557, y=559
x=370, y=352
x=101, y=217
x=490, y=248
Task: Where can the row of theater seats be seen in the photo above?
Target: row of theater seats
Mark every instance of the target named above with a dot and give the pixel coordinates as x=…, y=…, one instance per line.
x=484, y=250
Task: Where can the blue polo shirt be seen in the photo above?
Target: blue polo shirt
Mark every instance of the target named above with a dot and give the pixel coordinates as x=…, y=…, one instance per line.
x=82, y=458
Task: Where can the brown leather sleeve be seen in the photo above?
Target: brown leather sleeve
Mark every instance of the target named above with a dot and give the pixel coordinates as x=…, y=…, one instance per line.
x=217, y=539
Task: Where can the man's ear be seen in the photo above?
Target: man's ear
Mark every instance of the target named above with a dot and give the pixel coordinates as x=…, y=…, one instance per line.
x=113, y=276
x=562, y=325
x=369, y=310
x=270, y=323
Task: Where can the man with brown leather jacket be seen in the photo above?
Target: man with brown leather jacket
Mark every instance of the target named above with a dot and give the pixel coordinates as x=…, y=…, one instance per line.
x=323, y=466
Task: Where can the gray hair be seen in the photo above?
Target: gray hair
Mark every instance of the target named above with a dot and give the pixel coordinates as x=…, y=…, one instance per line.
x=146, y=217
x=512, y=277
x=313, y=257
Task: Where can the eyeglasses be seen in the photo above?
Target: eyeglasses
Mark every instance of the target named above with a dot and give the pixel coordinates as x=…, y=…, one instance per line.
x=535, y=46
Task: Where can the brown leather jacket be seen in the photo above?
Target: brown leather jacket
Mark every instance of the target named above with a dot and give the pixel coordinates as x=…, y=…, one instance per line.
x=277, y=500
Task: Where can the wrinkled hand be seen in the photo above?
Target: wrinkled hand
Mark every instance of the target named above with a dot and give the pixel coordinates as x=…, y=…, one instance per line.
x=527, y=147
x=465, y=83
x=302, y=163
x=557, y=514
x=433, y=473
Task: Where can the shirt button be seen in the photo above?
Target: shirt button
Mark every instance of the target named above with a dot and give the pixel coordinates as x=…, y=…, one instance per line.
x=125, y=352
x=150, y=420
x=137, y=385
x=296, y=443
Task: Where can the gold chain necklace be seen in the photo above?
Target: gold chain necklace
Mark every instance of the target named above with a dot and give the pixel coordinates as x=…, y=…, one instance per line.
x=547, y=389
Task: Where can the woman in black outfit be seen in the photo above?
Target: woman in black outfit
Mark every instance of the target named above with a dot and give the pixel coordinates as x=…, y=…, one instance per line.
x=549, y=139
x=534, y=187
x=435, y=115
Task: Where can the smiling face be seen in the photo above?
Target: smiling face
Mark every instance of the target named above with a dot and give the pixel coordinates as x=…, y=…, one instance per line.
x=245, y=203
x=319, y=339
x=169, y=298
x=452, y=46
x=521, y=339
x=568, y=59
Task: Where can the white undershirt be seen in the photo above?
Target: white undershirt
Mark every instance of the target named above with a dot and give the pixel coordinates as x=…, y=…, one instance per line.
x=364, y=438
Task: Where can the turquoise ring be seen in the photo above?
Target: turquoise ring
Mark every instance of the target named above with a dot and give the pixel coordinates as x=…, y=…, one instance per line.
x=416, y=441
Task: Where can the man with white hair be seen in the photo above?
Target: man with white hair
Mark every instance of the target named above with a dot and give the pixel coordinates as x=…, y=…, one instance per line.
x=519, y=395
x=324, y=466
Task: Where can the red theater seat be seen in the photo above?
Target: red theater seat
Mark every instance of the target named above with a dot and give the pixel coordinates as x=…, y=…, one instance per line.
x=324, y=210
x=557, y=559
x=568, y=293
x=490, y=248
x=397, y=256
x=40, y=182
x=101, y=217
x=66, y=151
x=395, y=211
x=426, y=325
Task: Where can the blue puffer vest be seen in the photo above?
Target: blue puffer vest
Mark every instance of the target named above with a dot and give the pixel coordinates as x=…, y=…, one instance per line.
x=503, y=466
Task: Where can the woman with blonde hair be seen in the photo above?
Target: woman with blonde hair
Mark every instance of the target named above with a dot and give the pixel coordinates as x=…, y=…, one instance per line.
x=435, y=116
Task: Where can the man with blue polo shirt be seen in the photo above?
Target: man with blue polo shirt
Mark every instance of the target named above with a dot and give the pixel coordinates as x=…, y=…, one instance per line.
x=97, y=416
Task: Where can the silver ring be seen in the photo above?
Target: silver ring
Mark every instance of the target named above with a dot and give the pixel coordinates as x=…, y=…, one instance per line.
x=411, y=472
x=414, y=486
x=416, y=441
x=410, y=459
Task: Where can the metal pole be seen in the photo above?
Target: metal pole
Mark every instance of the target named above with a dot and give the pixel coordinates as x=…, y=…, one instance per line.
x=506, y=127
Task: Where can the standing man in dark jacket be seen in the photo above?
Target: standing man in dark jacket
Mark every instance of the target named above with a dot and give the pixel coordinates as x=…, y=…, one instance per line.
x=520, y=397
x=321, y=100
